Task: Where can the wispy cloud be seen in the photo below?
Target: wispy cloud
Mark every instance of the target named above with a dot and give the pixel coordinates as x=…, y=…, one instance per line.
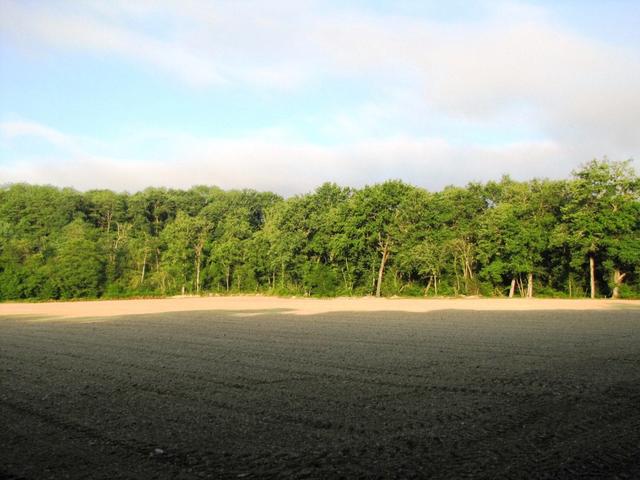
x=514, y=58
x=21, y=128
x=515, y=67
x=275, y=163
x=86, y=32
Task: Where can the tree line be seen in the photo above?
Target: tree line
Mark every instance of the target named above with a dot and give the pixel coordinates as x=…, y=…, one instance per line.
x=577, y=237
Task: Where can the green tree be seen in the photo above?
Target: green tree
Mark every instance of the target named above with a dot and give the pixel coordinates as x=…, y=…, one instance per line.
x=371, y=225
x=389, y=238
x=78, y=265
x=512, y=235
x=185, y=239
x=229, y=250
x=284, y=234
x=456, y=212
x=600, y=210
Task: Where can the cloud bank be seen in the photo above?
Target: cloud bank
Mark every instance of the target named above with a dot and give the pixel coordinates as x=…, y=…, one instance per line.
x=275, y=164
x=446, y=97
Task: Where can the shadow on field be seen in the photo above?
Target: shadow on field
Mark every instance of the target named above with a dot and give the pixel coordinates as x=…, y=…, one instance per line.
x=168, y=316
x=264, y=394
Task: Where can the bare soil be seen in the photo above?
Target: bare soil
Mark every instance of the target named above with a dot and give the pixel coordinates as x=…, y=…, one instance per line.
x=302, y=306
x=246, y=393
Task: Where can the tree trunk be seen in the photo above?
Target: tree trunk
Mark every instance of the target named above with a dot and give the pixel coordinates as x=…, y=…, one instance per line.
x=227, y=275
x=592, y=275
x=163, y=283
x=199, y=247
x=198, y=273
x=513, y=287
x=618, y=277
x=383, y=261
x=455, y=270
x=530, y=285
x=469, y=271
x=346, y=277
x=144, y=267
x=373, y=278
x=435, y=284
x=281, y=275
x=570, y=289
x=426, y=290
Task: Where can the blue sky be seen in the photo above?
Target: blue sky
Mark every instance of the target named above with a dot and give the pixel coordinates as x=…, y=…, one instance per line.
x=284, y=95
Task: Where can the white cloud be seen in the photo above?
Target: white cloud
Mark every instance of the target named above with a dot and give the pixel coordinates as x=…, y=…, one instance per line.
x=20, y=128
x=513, y=66
x=515, y=56
x=83, y=32
x=273, y=162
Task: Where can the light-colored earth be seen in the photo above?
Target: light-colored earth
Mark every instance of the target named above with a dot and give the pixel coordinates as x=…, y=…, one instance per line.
x=300, y=306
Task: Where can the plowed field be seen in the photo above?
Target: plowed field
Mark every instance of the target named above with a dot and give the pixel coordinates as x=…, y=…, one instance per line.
x=213, y=394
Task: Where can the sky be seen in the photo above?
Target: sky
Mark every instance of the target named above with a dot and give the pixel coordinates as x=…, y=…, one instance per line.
x=284, y=95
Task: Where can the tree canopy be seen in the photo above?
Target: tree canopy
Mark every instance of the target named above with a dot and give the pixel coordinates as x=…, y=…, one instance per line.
x=575, y=237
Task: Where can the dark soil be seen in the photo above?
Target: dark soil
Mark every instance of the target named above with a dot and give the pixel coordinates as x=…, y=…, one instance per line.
x=386, y=395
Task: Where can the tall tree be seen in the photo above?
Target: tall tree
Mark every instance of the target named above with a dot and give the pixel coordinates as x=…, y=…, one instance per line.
x=78, y=265
x=229, y=250
x=600, y=208
x=512, y=234
x=182, y=259
x=373, y=223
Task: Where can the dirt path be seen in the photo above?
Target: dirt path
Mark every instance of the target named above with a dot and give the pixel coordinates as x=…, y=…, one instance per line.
x=300, y=306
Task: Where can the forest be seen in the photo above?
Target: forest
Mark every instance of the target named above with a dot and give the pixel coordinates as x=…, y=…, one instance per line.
x=578, y=237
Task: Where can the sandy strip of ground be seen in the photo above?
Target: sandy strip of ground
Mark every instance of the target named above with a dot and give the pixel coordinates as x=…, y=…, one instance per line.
x=300, y=306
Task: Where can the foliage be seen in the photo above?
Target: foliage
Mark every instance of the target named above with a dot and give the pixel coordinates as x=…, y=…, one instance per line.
x=391, y=238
